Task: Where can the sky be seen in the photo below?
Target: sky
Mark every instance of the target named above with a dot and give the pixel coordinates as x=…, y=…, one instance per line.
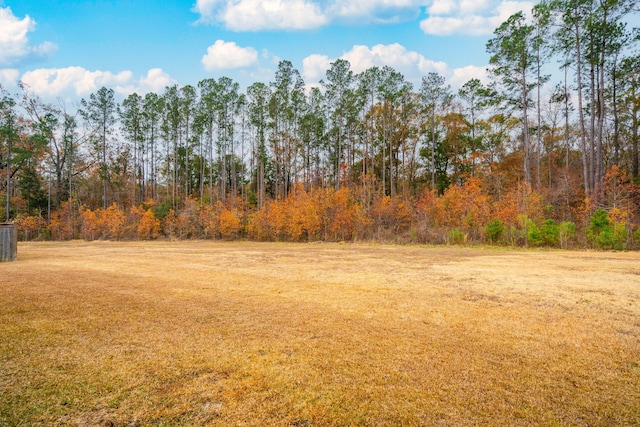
x=69, y=49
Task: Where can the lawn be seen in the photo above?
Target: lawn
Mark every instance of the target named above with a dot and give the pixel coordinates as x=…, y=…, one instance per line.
x=221, y=333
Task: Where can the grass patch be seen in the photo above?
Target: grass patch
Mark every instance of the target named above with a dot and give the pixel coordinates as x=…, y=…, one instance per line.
x=197, y=333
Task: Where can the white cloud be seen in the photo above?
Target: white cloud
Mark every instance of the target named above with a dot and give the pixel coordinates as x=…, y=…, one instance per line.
x=442, y=7
x=45, y=49
x=155, y=81
x=374, y=10
x=207, y=8
x=461, y=7
x=473, y=6
x=78, y=81
x=411, y=64
x=254, y=15
x=73, y=82
x=14, y=41
x=228, y=55
x=9, y=78
x=460, y=76
x=444, y=17
x=395, y=55
x=314, y=67
x=469, y=17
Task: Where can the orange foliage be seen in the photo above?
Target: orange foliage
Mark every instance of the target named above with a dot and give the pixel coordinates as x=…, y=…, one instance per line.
x=619, y=216
x=276, y=218
x=114, y=221
x=465, y=207
x=345, y=216
x=170, y=224
x=303, y=215
x=149, y=226
x=188, y=223
x=311, y=206
x=426, y=208
x=391, y=213
x=302, y=212
x=29, y=226
x=620, y=196
x=257, y=225
x=90, y=226
x=113, y=224
x=519, y=201
x=295, y=218
x=144, y=224
x=209, y=220
x=461, y=213
x=64, y=224
x=293, y=209
x=230, y=223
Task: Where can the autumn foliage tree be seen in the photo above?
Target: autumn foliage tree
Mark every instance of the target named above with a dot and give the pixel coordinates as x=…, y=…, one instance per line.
x=464, y=208
x=364, y=155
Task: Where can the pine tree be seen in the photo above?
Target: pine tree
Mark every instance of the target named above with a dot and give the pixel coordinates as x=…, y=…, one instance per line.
x=99, y=111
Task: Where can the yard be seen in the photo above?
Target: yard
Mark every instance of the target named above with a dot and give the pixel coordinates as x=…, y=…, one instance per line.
x=222, y=333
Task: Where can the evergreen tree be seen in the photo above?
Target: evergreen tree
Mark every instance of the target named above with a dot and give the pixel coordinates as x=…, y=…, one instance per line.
x=513, y=63
x=99, y=111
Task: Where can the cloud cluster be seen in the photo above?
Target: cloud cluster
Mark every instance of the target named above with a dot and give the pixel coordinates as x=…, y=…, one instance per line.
x=57, y=81
x=256, y=15
x=411, y=64
x=154, y=81
x=469, y=17
x=444, y=17
x=80, y=82
x=227, y=56
x=72, y=81
x=376, y=11
x=14, y=40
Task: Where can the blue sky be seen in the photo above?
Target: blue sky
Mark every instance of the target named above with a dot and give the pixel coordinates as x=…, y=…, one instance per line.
x=69, y=49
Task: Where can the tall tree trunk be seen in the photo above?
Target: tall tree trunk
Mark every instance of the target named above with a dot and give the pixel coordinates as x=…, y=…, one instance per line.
x=104, y=165
x=8, y=166
x=583, y=130
x=210, y=142
x=539, y=112
x=592, y=128
x=566, y=122
x=187, y=172
x=616, y=118
x=601, y=112
x=433, y=149
x=635, y=137
x=526, y=138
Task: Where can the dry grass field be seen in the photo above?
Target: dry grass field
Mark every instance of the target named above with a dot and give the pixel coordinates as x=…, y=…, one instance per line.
x=206, y=333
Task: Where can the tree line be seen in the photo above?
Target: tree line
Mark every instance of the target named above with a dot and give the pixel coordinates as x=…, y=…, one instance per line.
x=367, y=149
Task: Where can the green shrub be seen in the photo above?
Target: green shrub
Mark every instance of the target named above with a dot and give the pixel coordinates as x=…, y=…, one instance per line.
x=598, y=223
x=161, y=210
x=550, y=233
x=635, y=239
x=605, y=235
x=494, y=230
x=614, y=237
x=534, y=236
x=456, y=237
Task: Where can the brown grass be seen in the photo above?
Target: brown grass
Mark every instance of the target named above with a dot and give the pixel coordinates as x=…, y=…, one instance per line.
x=202, y=333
